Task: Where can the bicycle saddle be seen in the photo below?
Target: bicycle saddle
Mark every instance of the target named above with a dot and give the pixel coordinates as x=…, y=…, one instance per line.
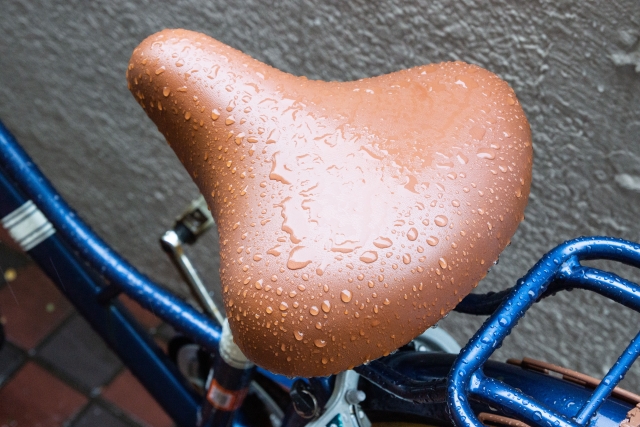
x=352, y=215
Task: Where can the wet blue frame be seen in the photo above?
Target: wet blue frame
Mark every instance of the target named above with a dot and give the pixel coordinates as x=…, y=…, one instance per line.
x=560, y=267
x=91, y=275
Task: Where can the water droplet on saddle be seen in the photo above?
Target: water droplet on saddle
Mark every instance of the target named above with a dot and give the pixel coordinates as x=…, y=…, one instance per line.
x=443, y=263
x=314, y=310
x=326, y=306
x=187, y=115
x=297, y=258
x=298, y=335
x=444, y=164
x=283, y=306
x=166, y=91
x=269, y=310
x=486, y=153
x=319, y=343
x=462, y=158
x=229, y=121
x=180, y=62
x=406, y=258
x=369, y=257
x=441, y=220
x=477, y=133
x=275, y=251
x=432, y=240
x=382, y=242
x=215, y=114
x=160, y=70
x=257, y=257
x=345, y=296
x=412, y=234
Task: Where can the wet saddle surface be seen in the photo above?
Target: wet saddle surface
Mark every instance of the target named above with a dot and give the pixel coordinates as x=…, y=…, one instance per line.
x=352, y=215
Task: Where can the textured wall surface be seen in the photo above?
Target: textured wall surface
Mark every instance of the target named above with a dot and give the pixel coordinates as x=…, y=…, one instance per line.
x=575, y=68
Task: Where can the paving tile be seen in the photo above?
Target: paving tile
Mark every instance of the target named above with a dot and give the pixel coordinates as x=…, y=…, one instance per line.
x=80, y=354
x=34, y=397
x=146, y=318
x=31, y=307
x=10, y=262
x=7, y=241
x=11, y=358
x=12, y=258
x=127, y=393
x=96, y=415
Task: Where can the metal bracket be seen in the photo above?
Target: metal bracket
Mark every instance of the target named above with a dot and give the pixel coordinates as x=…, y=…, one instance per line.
x=194, y=221
x=343, y=408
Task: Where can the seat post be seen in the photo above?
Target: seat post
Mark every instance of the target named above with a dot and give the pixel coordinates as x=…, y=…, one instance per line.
x=229, y=384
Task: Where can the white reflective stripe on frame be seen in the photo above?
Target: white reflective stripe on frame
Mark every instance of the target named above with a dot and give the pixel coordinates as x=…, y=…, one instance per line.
x=28, y=226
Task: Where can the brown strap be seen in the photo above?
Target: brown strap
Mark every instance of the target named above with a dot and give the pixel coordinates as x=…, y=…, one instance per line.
x=494, y=420
x=633, y=418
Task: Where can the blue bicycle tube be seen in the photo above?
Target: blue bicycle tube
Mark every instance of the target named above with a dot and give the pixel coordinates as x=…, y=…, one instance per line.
x=17, y=166
x=138, y=351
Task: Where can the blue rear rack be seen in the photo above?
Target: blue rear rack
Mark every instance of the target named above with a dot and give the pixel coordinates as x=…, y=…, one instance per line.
x=561, y=268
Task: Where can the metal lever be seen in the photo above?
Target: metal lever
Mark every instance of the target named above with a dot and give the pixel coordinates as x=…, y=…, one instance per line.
x=188, y=227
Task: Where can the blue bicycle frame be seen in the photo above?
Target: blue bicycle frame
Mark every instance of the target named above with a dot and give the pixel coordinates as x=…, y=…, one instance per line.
x=64, y=256
x=91, y=275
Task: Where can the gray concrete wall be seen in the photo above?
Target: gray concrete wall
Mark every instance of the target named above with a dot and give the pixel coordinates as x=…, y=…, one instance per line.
x=574, y=65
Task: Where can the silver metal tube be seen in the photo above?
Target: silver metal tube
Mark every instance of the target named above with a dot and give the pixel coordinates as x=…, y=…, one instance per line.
x=173, y=247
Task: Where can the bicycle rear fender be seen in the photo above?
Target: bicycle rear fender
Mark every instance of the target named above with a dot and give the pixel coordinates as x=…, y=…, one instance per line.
x=560, y=395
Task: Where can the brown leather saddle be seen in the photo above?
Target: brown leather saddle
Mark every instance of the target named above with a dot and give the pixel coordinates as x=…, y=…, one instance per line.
x=352, y=215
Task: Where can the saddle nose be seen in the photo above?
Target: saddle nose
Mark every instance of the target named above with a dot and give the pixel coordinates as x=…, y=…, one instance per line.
x=352, y=215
